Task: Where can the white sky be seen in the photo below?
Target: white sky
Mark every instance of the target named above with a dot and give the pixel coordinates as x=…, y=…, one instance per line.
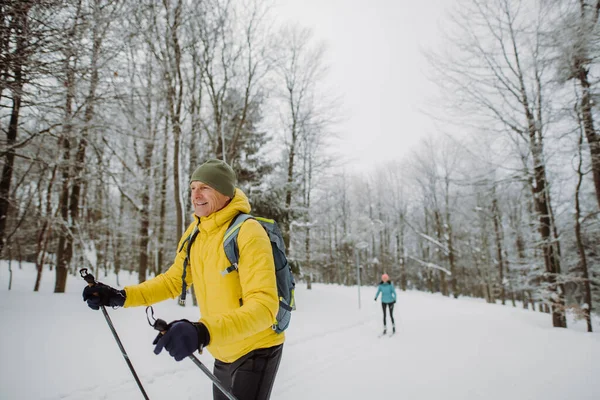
x=54, y=347
x=376, y=65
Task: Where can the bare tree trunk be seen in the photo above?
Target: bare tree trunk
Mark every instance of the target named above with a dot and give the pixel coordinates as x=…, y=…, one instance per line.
x=580, y=247
x=145, y=221
x=452, y=259
x=64, y=250
x=195, y=134
x=62, y=253
x=44, y=234
x=510, y=280
x=307, y=187
x=439, y=230
x=499, y=246
x=307, y=254
x=146, y=165
x=450, y=235
x=118, y=240
x=483, y=271
x=5, y=14
x=144, y=240
x=176, y=178
x=163, y=203
x=549, y=249
x=551, y=258
x=174, y=81
x=10, y=271
x=401, y=251
x=289, y=186
x=426, y=253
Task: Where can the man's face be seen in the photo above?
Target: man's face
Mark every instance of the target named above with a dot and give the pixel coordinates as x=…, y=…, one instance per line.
x=206, y=200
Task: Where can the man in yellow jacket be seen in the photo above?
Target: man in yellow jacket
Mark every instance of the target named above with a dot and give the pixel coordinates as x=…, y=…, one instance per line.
x=237, y=309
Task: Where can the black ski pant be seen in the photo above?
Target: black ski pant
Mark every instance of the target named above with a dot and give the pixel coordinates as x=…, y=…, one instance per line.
x=391, y=306
x=250, y=377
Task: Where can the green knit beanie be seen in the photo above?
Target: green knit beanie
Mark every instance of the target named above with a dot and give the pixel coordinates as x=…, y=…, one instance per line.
x=218, y=175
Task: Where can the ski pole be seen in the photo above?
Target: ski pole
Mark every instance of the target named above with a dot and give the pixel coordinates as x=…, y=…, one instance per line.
x=162, y=326
x=91, y=281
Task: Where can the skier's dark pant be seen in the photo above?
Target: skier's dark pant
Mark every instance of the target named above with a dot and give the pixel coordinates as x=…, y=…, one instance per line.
x=391, y=306
x=251, y=377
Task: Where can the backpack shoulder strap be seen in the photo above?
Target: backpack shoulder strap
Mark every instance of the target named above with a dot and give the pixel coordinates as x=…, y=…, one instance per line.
x=273, y=231
x=230, y=241
x=188, y=241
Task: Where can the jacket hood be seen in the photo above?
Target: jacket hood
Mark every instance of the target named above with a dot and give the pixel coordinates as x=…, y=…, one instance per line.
x=238, y=204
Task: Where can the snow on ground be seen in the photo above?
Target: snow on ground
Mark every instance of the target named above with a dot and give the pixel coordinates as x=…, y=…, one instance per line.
x=55, y=347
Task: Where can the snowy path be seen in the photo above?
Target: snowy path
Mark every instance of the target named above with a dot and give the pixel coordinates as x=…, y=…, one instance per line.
x=443, y=348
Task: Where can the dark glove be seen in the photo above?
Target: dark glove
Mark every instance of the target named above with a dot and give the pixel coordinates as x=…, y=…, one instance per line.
x=103, y=295
x=182, y=339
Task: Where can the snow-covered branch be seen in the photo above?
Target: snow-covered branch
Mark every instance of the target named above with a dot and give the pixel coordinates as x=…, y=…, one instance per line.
x=430, y=265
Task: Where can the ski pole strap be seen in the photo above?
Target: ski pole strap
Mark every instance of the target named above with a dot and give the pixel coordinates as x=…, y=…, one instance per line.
x=190, y=239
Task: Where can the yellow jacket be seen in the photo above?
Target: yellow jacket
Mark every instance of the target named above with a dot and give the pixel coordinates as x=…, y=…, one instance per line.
x=238, y=308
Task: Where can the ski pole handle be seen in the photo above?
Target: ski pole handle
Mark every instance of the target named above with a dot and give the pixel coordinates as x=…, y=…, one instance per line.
x=157, y=323
x=161, y=326
x=89, y=278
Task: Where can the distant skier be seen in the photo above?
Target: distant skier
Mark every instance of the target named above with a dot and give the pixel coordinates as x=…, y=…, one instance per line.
x=388, y=299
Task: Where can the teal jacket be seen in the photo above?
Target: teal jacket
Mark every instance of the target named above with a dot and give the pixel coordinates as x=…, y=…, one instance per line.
x=388, y=293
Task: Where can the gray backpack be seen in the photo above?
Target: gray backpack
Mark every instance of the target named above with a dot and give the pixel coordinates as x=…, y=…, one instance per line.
x=283, y=272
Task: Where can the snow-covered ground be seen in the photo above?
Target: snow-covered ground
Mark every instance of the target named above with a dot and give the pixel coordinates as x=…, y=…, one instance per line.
x=54, y=347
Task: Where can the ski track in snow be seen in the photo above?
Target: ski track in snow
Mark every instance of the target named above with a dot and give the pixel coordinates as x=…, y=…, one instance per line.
x=323, y=361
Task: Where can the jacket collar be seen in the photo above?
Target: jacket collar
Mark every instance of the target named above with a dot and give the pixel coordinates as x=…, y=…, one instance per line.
x=238, y=204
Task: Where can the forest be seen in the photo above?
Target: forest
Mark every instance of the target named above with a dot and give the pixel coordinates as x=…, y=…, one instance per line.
x=107, y=106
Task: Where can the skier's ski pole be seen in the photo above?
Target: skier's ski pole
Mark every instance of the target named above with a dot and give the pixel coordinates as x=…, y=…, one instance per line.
x=162, y=326
x=91, y=281
x=212, y=377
